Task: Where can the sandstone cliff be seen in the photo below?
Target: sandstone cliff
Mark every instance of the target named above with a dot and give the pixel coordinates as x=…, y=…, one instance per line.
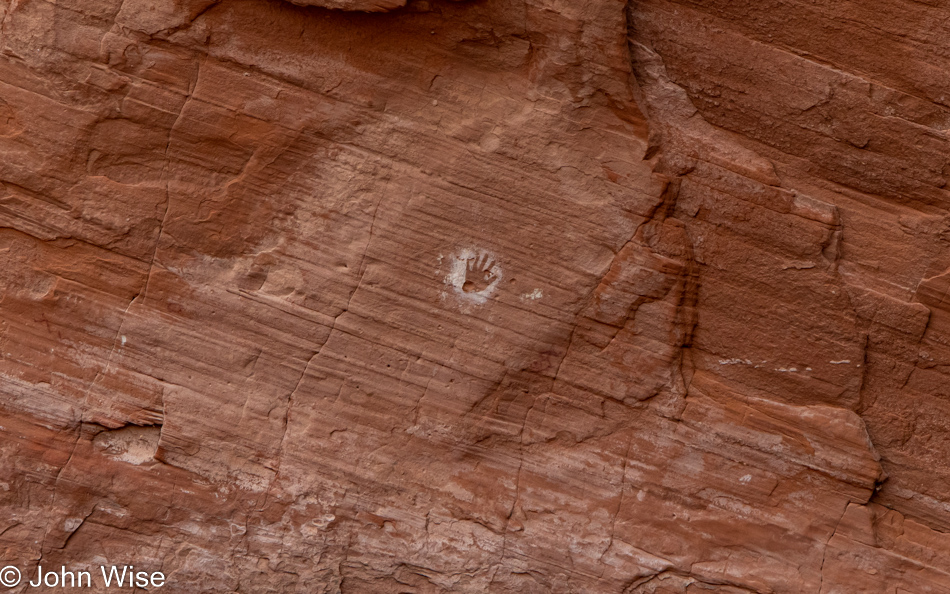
x=515, y=296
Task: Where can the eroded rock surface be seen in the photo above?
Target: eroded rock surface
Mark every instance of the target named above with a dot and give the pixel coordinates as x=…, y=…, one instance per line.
x=490, y=296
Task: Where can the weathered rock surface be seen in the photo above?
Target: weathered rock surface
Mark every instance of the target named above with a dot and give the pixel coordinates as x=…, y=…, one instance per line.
x=491, y=296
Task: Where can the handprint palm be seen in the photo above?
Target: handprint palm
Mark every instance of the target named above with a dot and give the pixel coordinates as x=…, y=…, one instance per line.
x=479, y=273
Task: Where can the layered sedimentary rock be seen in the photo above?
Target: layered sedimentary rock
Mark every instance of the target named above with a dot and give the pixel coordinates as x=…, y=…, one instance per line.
x=490, y=296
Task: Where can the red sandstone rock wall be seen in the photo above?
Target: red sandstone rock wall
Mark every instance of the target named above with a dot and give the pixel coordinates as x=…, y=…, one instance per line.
x=518, y=296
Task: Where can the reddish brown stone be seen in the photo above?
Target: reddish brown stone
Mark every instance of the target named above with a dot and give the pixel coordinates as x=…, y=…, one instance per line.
x=491, y=296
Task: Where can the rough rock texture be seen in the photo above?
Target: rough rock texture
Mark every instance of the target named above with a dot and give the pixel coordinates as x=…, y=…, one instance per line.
x=496, y=296
x=356, y=5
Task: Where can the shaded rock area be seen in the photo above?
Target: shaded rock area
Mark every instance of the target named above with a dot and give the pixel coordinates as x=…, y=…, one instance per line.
x=514, y=296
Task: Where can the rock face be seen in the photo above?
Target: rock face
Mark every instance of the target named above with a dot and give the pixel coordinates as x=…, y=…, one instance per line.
x=515, y=296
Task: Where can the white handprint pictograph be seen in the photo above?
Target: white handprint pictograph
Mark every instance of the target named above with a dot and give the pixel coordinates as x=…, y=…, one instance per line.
x=474, y=275
x=478, y=273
